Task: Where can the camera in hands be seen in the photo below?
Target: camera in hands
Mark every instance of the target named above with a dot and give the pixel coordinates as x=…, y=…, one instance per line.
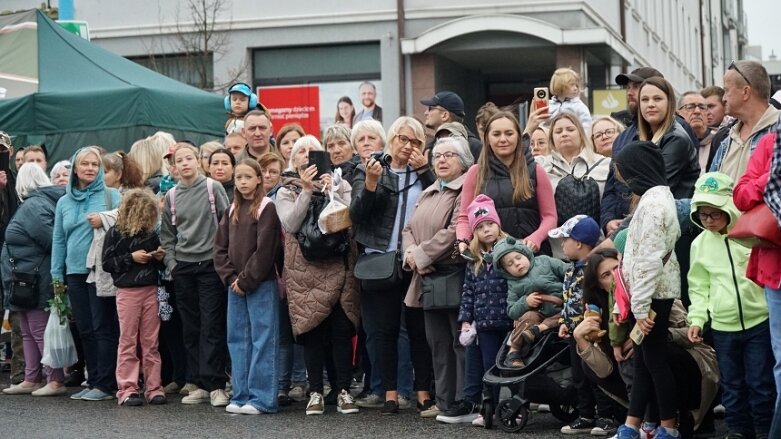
x=382, y=158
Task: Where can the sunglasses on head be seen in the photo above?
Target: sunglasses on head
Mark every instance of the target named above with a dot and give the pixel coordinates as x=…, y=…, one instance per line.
x=734, y=67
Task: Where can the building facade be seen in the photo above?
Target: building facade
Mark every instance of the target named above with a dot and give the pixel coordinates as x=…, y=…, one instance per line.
x=482, y=49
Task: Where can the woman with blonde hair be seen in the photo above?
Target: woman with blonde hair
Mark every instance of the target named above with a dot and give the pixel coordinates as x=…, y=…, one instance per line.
x=204, y=155
x=604, y=131
x=148, y=154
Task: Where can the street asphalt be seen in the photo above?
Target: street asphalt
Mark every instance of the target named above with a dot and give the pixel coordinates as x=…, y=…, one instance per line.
x=27, y=417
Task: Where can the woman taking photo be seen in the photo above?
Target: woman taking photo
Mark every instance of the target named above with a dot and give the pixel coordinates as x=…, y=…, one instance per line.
x=428, y=245
x=28, y=240
x=384, y=197
x=343, y=156
x=96, y=317
x=345, y=111
x=367, y=137
x=656, y=123
x=322, y=293
x=221, y=164
x=522, y=193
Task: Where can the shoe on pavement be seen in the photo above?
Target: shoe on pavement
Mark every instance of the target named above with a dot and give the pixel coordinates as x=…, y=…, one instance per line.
x=604, y=427
x=627, y=432
x=404, y=402
x=284, y=400
x=80, y=394
x=390, y=407
x=315, y=406
x=158, y=400
x=172, y=387
x=97, y=395
x=661, y=433
x=428, y=409
x=188, y=387
x=50, y=390
x=462, y=412
x=19, y=389
x=197, y=396
x=297, y=393
x=247, y=409
x=133, y=400
x=479, y=421
x=579, y=426
x=345, y=404
x=370, y=401
x=233, y=408
x=219, y=398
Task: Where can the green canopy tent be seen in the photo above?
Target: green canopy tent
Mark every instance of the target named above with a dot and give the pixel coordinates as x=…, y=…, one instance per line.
x=66, y=92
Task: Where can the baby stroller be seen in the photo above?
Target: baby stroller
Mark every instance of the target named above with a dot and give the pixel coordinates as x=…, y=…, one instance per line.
x=546, y=379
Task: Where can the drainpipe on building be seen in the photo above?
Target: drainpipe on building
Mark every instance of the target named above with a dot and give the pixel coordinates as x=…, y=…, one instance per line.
x=399, y=36
x=622, y=18
x=702, y=43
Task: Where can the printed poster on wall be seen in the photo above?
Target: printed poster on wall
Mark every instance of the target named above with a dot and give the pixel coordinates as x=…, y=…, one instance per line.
x=606, y=101
x=293, y=104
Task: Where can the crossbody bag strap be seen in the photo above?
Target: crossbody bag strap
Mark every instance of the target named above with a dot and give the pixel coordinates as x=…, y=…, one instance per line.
x=403, y=210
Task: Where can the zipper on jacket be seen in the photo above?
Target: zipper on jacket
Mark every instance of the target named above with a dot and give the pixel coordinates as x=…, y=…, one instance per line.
x=735, y=282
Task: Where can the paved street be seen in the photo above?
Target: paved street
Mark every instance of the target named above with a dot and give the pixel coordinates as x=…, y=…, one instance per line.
x=27, y=417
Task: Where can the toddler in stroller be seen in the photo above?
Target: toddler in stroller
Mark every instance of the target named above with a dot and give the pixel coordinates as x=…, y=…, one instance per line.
x=534, y=294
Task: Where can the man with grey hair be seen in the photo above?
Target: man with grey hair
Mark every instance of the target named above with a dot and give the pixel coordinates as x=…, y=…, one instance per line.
x=693, y=108
x=746, y=95
x=371, y=110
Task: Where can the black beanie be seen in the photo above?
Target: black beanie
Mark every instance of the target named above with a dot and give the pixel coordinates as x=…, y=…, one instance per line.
x=642, y=166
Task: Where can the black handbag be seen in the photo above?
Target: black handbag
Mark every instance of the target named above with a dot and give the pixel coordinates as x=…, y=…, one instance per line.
x=441, y=289
x=24, y=286
x=316, y=245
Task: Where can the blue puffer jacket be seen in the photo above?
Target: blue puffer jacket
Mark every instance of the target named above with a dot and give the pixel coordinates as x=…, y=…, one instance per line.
x=72, y=233
x=484, y=300
x=29, y=236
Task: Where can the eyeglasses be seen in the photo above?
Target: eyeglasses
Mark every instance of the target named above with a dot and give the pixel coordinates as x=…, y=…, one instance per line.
x=734, y=67
x=447, y=155
x=606, y=134
x=691, y=107
x=405, y=140
x=714, y=216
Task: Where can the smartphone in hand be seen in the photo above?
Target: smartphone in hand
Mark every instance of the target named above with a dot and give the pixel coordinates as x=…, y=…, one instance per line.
x=321, y=160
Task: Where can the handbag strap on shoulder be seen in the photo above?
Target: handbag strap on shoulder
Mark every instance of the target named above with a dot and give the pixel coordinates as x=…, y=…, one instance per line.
x=13, y=261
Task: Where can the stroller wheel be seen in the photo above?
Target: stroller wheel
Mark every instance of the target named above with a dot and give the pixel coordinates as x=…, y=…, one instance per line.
x=513, y=415
x=564, y=412
x=488, y=413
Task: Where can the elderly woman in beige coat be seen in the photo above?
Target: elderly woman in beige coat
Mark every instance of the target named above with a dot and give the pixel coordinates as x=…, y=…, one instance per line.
x=428, y=242
x=322, y=294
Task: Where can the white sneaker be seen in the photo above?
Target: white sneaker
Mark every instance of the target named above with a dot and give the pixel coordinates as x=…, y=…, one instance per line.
x=197, y=396
x=247, y=409
x=188, y=387
x=479, y=421
x=297, y=393
x=371, y=401
x=404, y=403
x=233, y=408
x=315, y=405
x=219, y=398
x=345, y=404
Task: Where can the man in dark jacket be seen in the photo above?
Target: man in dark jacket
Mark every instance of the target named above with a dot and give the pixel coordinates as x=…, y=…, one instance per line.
x=444, y=107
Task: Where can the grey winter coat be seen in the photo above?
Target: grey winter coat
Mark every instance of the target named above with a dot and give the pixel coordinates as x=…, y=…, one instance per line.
x=29, y=235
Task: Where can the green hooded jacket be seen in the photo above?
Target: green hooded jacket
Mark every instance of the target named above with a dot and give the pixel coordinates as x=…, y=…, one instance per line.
x=717, y=274
x=545, y=276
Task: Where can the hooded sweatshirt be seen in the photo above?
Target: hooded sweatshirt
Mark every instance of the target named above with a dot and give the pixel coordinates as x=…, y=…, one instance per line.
x=192, y=238
x=72, y=235
x=653, y=231
x=733, y=154
x=545, y=276
x=717, y=275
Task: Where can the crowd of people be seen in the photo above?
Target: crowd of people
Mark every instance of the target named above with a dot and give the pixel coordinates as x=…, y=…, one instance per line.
x=390, y=270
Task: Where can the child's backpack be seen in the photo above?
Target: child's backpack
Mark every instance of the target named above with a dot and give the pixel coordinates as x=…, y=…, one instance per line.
x=209, y=190
x=577, y=195
x=263, y=203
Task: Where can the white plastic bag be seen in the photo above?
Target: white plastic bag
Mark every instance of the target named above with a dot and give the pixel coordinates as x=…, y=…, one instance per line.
x=59, y=350
x=335, y=216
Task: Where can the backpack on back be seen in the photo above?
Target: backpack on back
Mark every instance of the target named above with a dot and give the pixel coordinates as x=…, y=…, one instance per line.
x=212, y=205
x=577, y=195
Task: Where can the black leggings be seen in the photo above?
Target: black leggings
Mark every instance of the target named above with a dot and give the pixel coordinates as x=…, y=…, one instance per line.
x=420, y=353
x=652, y=373
x=333, y=335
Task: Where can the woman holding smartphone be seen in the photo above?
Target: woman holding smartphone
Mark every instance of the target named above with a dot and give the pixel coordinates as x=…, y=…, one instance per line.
x=322, y=294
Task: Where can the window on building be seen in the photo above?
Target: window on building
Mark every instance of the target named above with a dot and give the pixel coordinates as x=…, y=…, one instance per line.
x=195, y=70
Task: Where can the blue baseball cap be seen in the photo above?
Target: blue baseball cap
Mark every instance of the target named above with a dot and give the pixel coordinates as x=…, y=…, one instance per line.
x=581, y=228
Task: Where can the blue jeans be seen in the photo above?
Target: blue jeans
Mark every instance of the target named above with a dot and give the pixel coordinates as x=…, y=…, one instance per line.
x=473, y=374
x=489, y=342
x=746, y=363
x=773, y=297
x=96, y=319
x=404, y=369
x=292, y=370
x=253, y=343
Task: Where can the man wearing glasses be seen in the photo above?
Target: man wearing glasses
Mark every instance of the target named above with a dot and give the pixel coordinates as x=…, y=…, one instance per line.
x=746, y=96
x=693, y=108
